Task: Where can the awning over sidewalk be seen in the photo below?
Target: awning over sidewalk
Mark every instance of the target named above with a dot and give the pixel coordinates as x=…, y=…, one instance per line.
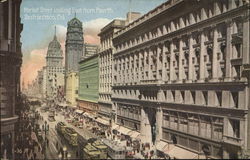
x=180, y=153
x=124, y=130
x=86, y=114
x=134, y=134
x=62, y=104
x=161, y=145
x=73, y=107
x=79, y=111
x=102, y=121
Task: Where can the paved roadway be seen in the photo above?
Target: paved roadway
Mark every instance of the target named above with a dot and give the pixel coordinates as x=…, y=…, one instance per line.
x=54, y=137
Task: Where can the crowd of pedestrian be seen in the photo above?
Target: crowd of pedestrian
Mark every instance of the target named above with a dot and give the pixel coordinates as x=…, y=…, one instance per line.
x=26, y=146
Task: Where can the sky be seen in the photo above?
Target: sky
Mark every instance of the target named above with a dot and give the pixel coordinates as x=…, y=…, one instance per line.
x=40, y=17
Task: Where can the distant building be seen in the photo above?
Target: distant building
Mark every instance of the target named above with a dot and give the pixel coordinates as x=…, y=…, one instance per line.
x=105, y=67
x=10, y=63
x=54, y=68
x=88, y=83
x=89, y=50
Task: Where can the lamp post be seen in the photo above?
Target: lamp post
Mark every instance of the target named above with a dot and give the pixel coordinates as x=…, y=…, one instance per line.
x=45, y=129
x=64, y=155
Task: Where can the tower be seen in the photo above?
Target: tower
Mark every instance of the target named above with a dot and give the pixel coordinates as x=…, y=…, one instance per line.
x=74, y=45
x=54, y=67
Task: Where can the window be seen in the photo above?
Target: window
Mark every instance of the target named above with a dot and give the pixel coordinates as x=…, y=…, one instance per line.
x=235, y=127
x=205, y=127
x=205, y=96
x=219, y=97
x=235, y=97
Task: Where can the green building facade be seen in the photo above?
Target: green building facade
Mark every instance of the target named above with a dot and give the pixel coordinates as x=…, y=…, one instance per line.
x=89, y=79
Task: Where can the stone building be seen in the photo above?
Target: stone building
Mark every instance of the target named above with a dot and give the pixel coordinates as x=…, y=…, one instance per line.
x=73, y=52
x=74, y=45
x=177, y=78
x=10, y=63
x=105, y=67
x=54, y=68
x=72, y=87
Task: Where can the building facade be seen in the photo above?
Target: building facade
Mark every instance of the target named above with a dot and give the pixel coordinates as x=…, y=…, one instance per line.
x=105, y=67
x=54, y=68
x=177, y=77
x=10, y=63
x=72, y=88
x=74, y=45
x=88, y=84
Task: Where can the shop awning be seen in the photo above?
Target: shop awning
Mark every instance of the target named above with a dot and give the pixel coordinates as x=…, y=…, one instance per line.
x=88, y=115
x=124, y=130
x=79, y=111
x=134, y=134
x=180, y=153
x=161, y=145
x=102, y=121
x=73, y=107
x=62, y=104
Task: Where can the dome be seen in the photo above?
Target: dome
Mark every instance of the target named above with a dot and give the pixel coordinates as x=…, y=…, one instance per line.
x=75, y=22
x=54, y=43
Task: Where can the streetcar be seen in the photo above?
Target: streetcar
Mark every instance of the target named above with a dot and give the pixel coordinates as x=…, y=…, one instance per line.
x=71, y=136
x=102, y=148
x=90, y=152
x=60, y=127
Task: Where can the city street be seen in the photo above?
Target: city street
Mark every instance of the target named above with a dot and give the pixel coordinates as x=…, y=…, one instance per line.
x=52, y=151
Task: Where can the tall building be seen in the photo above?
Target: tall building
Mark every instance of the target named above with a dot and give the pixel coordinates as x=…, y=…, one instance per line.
x=73, y=53
x=74, y=45
x=10, y=63
x=89, y=50
x=88, y=82
x=177, y=78
x=105, y=67
x=72, y=87
x=54, y=68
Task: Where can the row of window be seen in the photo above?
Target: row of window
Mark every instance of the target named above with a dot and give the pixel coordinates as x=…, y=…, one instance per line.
x=180, y=22
x=206, y=97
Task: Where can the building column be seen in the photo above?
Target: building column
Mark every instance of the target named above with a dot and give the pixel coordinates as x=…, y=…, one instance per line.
x=144, y=61
x=150, y=63
x=180, y=67
x=246, y=39
x=215, y=66
x=171, y=69
x=158, y=53
x=164, y=69
x=202, y=63
x=140, y=66
x=228, y=51
x=135, y=66
x=146, y=127
x=190, y=60
x=159, y=118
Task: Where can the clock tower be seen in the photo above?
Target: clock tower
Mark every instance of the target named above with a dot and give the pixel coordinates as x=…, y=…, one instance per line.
x=74, y=45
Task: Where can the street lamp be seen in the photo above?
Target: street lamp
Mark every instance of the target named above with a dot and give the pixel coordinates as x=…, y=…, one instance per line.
x=60, y=156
